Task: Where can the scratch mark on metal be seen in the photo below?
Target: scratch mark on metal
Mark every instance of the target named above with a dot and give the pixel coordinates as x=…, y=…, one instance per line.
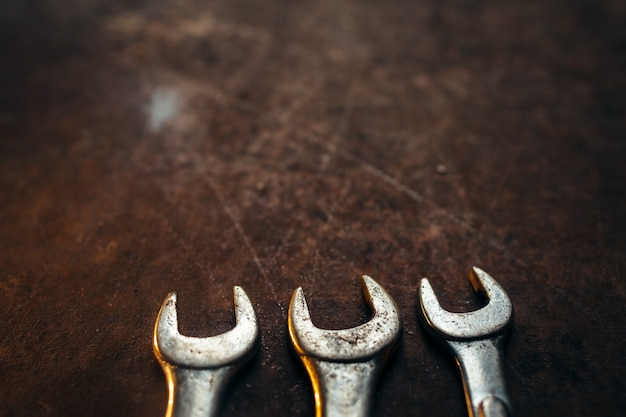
x=246, y=241
x=398, y=186
x=311, y=136
x=283, y=241
x=333, y=144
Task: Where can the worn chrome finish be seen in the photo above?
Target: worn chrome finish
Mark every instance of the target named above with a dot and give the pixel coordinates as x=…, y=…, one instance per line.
x=344, y=365
x=476, y=339
x=198, y=369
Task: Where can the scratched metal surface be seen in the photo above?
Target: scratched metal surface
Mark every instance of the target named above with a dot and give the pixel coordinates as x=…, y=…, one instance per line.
x=195, y=145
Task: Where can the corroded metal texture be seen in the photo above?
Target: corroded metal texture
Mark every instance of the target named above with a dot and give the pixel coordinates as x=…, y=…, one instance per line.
x=191, y=146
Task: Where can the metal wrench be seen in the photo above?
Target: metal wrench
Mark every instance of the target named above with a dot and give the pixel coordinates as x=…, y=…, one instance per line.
x=198, y=369
x=476, y=339
x=344, y=365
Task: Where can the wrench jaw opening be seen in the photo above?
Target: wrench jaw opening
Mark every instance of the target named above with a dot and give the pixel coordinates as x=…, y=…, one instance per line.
x=476, y=340
x=206, y=352
x=369, y=339
x=197, y=370
x=344, y=365
x=495, y=317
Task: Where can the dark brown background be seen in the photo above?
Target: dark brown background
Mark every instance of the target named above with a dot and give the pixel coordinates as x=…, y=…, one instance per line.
x=302, y=150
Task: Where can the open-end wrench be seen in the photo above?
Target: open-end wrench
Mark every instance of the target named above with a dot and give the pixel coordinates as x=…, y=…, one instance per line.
x=476, y=339
x=344, y=365
x=198, y=369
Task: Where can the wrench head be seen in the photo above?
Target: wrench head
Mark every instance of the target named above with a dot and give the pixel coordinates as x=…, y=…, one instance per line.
x=377, y=336
x=235, y=345
x=495, y=317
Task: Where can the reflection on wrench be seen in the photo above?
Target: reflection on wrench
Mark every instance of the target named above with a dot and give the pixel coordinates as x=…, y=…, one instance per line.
x=476, y=339
x=198, y=369
x=344, y=365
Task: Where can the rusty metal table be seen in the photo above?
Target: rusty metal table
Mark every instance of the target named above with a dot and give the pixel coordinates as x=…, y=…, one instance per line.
x=147, y=147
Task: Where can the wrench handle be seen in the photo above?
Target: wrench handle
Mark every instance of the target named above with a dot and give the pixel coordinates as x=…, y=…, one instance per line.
x=343, y=389
x=196, y=392
x=480, y=362
x=493, y=407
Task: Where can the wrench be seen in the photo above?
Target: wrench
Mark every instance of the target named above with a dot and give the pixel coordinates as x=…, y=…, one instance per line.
x=198, y=369
x=344, y=365
x=476, y=339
